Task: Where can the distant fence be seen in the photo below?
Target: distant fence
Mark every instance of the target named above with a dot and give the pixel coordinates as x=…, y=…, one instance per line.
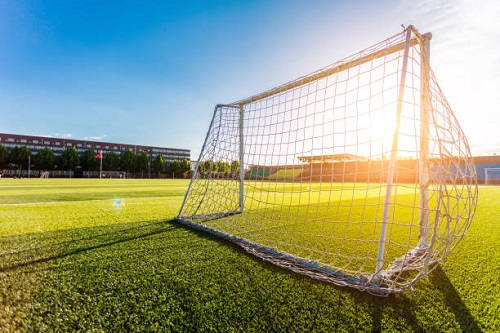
x=24, y=173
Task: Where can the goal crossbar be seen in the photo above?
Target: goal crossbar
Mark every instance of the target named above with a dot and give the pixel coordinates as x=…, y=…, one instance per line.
x=344, y=65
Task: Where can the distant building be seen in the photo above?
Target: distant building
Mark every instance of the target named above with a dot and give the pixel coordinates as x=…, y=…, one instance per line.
x=35, y=143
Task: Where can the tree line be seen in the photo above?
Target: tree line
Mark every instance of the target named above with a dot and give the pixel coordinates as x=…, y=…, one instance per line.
x=20, y=157
x=216, y=169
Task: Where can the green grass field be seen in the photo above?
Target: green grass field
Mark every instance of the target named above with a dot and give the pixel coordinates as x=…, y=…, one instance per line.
x=106, y=255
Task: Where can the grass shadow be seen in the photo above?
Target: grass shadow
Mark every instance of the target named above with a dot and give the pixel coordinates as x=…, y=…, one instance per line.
x=48, y=252
x=321, y=295
x=406, y=305
x=399, y=306
x=27, y=261
x=454, y=302
x=322, y=303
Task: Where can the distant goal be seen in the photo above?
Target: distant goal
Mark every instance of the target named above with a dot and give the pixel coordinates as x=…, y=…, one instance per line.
x=358, y=174
x=492, y=176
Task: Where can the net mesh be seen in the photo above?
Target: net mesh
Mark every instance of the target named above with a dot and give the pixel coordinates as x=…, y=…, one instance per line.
x=358, y=174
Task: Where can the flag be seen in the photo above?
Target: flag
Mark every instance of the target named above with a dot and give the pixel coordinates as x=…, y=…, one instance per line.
x=99, y=156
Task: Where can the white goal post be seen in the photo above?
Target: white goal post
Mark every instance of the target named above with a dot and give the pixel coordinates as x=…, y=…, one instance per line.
x=491, y=176
x=358, y=174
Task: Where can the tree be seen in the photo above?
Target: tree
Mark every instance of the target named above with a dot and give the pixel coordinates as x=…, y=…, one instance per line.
x=186, y=166
x=128, y=161
x=4, y=156
x=143, y=162
x=45, y=159
x=223, y=167
x=19, y=156
x=69, y=159
x=111, y=162
x=235, y=168
x=159, y=164
x=89, y=162
x=205, y=167
x=174, y=167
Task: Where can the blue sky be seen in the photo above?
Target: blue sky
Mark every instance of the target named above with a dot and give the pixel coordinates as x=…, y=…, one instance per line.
x=150, y=72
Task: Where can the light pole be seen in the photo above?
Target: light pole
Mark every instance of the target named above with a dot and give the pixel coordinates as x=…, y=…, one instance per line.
x=150, y=159
x=149, y=168
x=29, y=165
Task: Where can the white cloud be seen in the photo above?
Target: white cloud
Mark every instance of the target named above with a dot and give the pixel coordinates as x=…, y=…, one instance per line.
x=64, y=136
x=96, y=137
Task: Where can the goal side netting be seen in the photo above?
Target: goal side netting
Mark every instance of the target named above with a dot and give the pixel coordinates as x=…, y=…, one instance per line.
x=358, y=174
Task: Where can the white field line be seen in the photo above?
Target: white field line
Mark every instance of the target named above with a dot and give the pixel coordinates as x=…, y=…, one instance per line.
x=72, y=201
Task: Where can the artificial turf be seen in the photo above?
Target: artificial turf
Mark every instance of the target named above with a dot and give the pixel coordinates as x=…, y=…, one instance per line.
x=106, y=255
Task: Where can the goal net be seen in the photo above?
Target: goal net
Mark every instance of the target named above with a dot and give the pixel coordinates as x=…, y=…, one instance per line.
x=357, y=174
x=492, y=176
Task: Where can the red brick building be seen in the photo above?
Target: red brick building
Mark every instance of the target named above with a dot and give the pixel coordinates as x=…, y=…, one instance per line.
x=35, y=143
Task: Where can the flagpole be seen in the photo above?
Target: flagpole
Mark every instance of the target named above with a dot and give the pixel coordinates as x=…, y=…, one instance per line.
x=100, y=168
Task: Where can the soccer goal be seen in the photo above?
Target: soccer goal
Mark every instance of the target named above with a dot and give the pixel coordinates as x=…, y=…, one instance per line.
x=380, y=183
x=492, y=176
